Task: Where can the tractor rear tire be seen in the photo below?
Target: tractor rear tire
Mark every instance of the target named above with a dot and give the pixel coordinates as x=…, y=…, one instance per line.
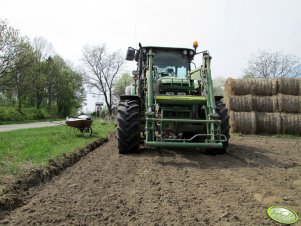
x=225, y=127
x=128, y=130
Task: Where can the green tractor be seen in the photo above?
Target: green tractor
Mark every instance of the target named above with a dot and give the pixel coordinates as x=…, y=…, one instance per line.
x=171, y=105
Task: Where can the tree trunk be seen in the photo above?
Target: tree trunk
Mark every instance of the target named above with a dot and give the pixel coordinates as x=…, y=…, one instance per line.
x=108, y=103
x=49, y=100
x=39, y=101
x=19, y=104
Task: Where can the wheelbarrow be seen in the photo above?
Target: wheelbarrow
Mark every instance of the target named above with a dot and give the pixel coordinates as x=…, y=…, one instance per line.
x=82, y=123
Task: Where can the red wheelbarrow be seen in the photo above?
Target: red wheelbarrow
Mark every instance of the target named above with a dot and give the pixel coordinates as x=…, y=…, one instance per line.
x=82, y=123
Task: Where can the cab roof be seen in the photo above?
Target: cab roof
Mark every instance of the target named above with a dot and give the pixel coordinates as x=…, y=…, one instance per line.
x=167, y=48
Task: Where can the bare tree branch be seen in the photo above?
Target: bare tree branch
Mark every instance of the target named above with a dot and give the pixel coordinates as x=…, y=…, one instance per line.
x=102, y=70
x=266, y=65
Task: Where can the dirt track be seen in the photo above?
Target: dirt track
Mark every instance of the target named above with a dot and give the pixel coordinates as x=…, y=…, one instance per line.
x=157, y=187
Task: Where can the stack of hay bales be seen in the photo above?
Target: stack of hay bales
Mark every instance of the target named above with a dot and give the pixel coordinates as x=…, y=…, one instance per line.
x=269, y=106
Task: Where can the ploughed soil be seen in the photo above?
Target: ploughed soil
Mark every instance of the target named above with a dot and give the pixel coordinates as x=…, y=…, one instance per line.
x=170, y=187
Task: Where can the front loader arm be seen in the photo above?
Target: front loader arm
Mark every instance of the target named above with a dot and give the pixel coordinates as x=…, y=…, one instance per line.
x=206, y=74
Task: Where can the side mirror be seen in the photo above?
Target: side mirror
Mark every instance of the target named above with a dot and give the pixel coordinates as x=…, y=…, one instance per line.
x=130, y=54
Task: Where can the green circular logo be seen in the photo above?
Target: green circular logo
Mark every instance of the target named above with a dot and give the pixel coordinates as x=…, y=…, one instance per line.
x=282, y=215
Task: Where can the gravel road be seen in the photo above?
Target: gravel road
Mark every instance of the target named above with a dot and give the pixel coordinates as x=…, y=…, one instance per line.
x=4, y=128
x=171, y=187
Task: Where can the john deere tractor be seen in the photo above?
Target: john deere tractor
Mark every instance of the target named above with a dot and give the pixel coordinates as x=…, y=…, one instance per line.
x=172, y=104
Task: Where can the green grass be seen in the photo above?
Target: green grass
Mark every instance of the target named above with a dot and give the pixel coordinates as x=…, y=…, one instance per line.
x=23, y=149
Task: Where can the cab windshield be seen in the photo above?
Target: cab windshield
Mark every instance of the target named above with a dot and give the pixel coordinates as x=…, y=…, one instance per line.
x=171, y=64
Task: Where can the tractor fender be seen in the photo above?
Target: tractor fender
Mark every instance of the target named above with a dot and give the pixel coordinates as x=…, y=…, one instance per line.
x=129, y=97
x=218, y=98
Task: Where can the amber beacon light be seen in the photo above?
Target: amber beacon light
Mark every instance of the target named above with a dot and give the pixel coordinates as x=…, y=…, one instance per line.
x=195, y=44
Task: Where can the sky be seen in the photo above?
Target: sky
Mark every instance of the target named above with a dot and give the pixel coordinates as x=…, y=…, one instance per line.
x=232, y=30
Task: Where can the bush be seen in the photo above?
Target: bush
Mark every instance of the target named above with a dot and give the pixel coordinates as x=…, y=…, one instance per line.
x=16, y=115
x=34, y=113
x=2, y=115
x=12, y=114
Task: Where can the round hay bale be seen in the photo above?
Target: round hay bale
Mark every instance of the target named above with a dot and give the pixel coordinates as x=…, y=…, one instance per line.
x=229, y=87
x=289, y=103
x=263, y=87
x=259, y=87
x=265, y=103
x=291, y=123
x=243, y=122
x=269, y=123
x=229, y=91
x=237, y=87
x=241, y=103
x=289, y=86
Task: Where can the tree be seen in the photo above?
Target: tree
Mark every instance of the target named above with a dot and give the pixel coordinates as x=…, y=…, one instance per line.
x=102, y=70
x=119, y=86
x=31, y=75
x=51, y=72
x=70, y=92
x=219, y=86
x=43, y=50
x=9, y=41
x=65, y=86
x=21, y=72
x=266, y=65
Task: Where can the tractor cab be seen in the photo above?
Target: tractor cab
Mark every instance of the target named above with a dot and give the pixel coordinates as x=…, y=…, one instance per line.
x=174, y=62
x=171, y=63
x=171, y=68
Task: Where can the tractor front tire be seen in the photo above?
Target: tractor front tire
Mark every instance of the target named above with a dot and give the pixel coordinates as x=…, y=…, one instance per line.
x=225, y=127
x=128, y=129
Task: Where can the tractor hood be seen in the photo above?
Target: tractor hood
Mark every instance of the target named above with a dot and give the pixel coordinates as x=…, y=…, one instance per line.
x=170, y=80
x=169, y=83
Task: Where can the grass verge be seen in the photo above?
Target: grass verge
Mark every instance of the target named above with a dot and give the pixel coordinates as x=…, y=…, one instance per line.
x=21, y=150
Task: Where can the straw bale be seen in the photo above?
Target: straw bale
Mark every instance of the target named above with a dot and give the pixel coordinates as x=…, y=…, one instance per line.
x=289, y=103
x=248, y=103
x=259, y=87
x=289, y=86
x=229, y=85
x=237, y=87
x=291, y=123
x=243, y=122
x=241, y=103
x=263, y=87
x=228, y=91
x=268, y=123
x=265, y=103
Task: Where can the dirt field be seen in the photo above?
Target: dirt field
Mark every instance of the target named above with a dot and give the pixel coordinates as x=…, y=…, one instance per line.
x=165, y=187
